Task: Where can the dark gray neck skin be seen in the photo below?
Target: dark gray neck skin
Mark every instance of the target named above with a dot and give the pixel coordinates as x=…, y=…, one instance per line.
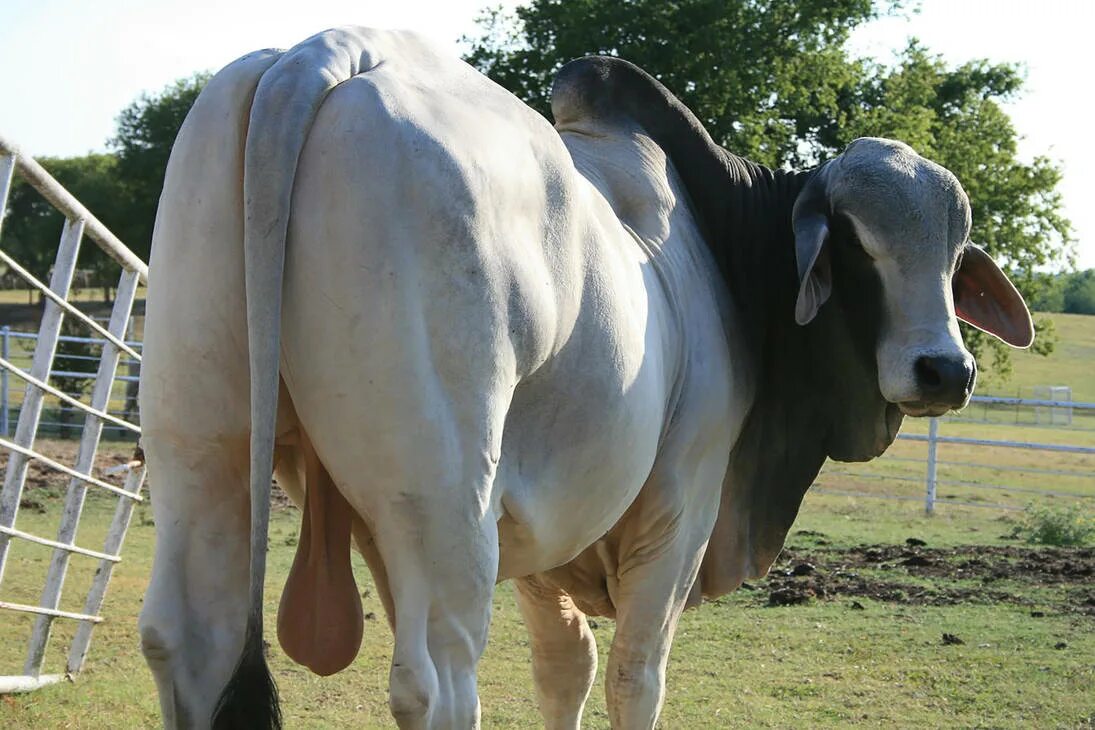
x=757, y=254
x=817, y=385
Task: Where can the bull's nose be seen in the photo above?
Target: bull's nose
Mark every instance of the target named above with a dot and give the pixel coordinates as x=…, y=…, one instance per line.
x=945, y=379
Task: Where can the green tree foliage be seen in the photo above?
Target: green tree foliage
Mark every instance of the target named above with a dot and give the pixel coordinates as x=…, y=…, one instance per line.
x=1051, y=294
x=953, y=116
x=146, y=132
x=1069, y=292
x=762, y=75
x=32, y=227
x=1079, y=293
x=773, y=81
x=122, y=189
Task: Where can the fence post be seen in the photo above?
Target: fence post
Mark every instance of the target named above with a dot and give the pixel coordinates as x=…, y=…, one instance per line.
x=933, y=436
x=5, y=338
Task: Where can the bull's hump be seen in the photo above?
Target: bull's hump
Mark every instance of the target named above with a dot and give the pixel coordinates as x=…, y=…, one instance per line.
x=607, y=91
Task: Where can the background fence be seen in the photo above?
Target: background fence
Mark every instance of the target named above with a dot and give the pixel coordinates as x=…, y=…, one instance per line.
x=72, y=373
x=1000, y=452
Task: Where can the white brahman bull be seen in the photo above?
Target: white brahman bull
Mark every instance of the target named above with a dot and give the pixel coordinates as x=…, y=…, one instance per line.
x=597, y=359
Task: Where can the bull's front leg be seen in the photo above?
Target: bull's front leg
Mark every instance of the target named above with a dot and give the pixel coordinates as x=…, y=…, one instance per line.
x=649, y=608
x=660, y=552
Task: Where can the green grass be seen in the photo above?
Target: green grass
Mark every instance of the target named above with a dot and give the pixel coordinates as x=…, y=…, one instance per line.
x=736, y=662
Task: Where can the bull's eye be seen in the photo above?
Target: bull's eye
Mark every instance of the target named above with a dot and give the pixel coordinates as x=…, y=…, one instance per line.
x=844, y=232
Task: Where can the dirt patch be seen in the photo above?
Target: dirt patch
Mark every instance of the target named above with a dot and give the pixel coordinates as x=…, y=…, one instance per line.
x=968, y=574
x=44, y=481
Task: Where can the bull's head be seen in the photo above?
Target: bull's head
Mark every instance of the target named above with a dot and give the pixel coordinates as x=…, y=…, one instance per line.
x=909, y=220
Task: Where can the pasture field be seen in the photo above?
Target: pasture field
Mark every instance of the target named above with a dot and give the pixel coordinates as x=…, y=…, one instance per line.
x=847, y=631
x=855, y=640
x=1071, y=362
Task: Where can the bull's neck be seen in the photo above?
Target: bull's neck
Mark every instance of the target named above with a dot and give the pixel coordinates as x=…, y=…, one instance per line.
x=752, y=240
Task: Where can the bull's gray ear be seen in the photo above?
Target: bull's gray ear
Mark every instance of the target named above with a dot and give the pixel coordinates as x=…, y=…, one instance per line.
x=985, y=298
x=810, y=220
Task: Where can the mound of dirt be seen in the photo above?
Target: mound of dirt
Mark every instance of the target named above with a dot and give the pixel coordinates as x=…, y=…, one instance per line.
x=829, y=573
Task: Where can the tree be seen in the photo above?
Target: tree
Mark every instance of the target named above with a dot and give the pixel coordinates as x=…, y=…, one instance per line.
x=1072, y=292
x=1051, y=294
x=121, y=189
x=759, y=73
x=146, y=132
x=1079, y=293
x=33, y=226
x=773, y=81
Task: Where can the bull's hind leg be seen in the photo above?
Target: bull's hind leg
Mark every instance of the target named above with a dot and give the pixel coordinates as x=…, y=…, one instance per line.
x=192, y=621
x=421, y=474
x=441, y=552
x=195, y=412
x=564, y=652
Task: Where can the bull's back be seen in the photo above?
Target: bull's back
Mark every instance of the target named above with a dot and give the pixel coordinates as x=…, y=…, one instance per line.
x=448, y=272
x=452, y=266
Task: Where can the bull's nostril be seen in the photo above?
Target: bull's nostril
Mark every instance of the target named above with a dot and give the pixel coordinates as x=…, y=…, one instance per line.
x=926, y=373
x=944, y=379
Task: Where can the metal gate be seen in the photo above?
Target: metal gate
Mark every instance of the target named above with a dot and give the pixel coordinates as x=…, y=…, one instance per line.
x=20, y=449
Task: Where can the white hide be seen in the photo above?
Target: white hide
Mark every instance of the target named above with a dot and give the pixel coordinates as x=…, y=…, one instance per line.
x=493, y=334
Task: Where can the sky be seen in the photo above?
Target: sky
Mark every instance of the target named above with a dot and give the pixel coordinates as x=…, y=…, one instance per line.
x=68, y=67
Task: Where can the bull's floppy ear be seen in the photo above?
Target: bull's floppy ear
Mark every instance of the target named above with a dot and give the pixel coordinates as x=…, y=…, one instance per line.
x=810, y=222
x=985, y=298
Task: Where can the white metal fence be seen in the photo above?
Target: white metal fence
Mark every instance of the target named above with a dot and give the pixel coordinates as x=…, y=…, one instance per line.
x=1014, y=471
x=42, y=383
x=62, y=420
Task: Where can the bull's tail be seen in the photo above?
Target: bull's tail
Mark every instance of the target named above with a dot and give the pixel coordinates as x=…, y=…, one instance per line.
x=285, y=105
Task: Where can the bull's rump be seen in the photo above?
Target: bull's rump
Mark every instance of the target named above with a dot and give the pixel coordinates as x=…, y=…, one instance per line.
x=477, y=288
x=457, y=298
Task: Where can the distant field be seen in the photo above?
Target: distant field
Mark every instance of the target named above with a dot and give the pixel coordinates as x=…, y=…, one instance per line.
x=1072, y=363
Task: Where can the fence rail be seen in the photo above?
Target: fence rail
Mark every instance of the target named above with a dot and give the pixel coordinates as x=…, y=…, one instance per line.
x=123, y=405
